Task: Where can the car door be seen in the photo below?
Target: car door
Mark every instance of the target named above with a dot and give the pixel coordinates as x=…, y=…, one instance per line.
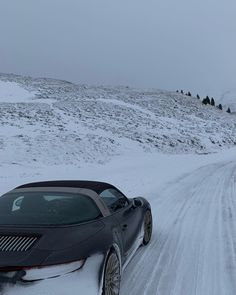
x=128, y=218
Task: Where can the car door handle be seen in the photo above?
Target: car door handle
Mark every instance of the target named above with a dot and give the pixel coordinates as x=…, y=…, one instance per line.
x=124, y=227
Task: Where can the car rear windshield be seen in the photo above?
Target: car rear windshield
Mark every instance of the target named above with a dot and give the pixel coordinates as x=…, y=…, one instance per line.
x=42, y=208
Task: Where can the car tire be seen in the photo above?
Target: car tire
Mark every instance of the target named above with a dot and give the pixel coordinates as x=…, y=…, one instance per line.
x=147, y=227
x=112, y=275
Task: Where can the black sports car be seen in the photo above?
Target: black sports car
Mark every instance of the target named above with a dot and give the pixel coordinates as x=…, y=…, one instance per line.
x=49, y=229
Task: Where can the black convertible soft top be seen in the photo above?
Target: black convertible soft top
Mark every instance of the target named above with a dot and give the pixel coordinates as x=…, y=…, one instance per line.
x=96, y=186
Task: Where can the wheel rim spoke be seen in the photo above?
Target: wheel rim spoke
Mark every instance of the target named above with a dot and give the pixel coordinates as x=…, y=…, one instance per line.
x=112, y=275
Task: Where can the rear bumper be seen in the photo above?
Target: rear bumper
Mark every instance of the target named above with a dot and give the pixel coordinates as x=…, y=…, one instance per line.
x=88, y=280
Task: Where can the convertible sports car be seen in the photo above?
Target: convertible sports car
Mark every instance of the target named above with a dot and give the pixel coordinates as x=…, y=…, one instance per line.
x=49, y=229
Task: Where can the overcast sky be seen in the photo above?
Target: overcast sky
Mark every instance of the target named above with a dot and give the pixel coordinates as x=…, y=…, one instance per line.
x=166, y=44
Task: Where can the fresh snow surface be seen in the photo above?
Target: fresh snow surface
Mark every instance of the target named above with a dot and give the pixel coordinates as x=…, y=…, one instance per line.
x=11, y=92
x=193, y=248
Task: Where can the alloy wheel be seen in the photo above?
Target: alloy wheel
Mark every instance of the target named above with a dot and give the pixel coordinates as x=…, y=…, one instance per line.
x=112, y=275
x=147, y=227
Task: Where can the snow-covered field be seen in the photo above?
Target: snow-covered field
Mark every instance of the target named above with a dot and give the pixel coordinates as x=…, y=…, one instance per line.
x=76, y=124
x=171, y=149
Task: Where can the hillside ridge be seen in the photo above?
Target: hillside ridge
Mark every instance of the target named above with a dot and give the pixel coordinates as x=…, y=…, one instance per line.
x=68, y=123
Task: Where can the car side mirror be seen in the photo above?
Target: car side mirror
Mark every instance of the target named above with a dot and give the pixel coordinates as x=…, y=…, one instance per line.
x=136, y=202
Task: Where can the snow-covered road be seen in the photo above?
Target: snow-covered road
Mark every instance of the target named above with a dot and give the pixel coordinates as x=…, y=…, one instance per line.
x=193, y=197
x=193, y=250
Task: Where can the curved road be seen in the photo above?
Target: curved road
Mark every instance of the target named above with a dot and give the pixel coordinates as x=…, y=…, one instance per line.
x=193, y=250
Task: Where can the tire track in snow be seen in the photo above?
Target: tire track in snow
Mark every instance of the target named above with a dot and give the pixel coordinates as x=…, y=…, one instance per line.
x=193, y=250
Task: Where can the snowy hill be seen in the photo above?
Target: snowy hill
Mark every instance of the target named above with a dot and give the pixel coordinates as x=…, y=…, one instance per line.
x=228, y=99
x=55, y=122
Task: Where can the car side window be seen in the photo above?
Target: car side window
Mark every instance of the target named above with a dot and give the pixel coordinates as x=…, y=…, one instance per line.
x=114, y=199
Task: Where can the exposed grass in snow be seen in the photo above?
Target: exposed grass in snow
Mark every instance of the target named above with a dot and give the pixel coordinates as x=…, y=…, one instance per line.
x=68, y=123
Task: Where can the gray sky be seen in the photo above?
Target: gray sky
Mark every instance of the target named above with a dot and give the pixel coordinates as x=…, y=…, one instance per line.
x=167, y=44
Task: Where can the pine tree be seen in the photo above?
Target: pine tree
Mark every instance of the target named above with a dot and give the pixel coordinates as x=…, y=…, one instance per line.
x=228, y=110
x=204, y=101
x=212, y=101
x=220, y=106
x=177, y=91
x=189, y=93
x=182, y=92
x=198, y=97
x=208, y=100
